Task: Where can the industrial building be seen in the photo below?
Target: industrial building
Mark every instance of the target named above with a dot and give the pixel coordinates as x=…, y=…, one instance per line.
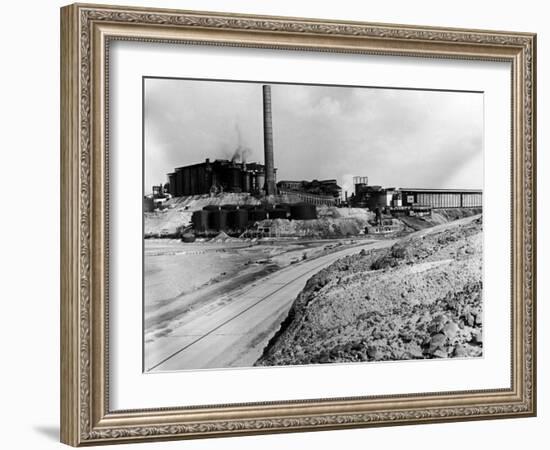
x=224, y=175
x=323, y=188
x=378, y=197
x=220, y=175
x=442, y=198
x=230, y=176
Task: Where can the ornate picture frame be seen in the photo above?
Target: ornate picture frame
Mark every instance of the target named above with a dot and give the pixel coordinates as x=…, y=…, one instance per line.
x=86, y=34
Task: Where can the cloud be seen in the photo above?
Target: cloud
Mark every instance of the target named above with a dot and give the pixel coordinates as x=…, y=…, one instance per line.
x=395, y=137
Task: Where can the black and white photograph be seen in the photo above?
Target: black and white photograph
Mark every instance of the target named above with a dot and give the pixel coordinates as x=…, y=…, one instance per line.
x=294, y=224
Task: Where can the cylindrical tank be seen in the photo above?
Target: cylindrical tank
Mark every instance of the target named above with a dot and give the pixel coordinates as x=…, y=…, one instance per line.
x=211, y=218
x=285, y=206
x=278, y=213
x=188, y=237
x=235, y=179
x=303, y=211
x=230, y=209
x=148, y=204
x=260, y=181
x=231, y=219
x=245, y=177
x=218, y=220
x=238, y=219
x=200, y=221
x=257, y=215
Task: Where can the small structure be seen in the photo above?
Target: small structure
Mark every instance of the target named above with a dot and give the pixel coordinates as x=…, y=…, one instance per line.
x=386, y=226
x=373, y=197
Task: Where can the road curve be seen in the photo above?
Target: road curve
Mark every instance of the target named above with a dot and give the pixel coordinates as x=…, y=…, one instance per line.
x=234, y=332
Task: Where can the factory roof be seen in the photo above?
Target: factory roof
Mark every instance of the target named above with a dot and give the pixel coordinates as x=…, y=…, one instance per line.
x=250, y=165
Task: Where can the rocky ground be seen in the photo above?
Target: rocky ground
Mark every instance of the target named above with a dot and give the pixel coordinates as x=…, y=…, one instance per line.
x=178, y=212
x=331, y=223
x=422, y=298
x=438, y=217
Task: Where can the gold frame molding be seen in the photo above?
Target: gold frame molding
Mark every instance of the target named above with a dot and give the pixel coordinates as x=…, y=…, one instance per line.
x=86, y=31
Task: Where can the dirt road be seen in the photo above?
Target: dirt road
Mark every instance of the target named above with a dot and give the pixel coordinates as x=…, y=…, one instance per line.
x=232, y=331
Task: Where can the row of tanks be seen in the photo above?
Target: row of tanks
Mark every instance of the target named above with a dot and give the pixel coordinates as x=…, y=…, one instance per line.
x=234, y=219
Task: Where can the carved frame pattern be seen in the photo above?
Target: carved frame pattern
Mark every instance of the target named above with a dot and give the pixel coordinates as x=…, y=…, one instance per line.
x=86, y=418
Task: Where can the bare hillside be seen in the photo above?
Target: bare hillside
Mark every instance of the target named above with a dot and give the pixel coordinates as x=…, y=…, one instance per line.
x=422, y=298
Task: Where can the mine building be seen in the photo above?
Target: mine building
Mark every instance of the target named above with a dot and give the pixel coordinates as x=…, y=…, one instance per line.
x=220, y=175
x=442, y=198
x=373, y=197
x=224, y=175
x=290, y=185
x=325, y=191
x=319, y=187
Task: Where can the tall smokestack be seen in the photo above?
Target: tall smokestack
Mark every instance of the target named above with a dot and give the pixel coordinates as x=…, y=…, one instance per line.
x=268, y=143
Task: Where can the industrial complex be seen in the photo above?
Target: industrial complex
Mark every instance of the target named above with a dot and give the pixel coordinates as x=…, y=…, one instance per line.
x=411, y=199
x=244, y=269
x=289, y=199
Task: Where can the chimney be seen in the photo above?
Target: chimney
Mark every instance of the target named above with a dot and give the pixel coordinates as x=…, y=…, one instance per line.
x=268, y=143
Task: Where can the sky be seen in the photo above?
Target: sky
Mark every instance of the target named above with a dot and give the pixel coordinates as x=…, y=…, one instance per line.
x=395, y=137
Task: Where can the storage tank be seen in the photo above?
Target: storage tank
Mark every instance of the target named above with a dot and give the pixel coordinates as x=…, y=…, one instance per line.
x=260, y=181
x=278, y=213
x=238, y=219
x=148, y=204
x=258, y=214
x=285, y=206
x=200, y=221
x=230, y=209
x=218, y=220
x=235, y=179
x=245, y=177
x=303, y=211
x=188, y=238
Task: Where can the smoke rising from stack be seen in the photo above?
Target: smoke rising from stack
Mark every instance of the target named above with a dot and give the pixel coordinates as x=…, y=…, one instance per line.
x=241, y=152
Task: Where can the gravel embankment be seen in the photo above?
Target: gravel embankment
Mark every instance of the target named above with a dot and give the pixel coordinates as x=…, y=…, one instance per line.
x=422, y=298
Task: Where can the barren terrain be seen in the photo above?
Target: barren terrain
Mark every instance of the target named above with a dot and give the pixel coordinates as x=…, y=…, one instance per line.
x=228, y=323
x=421, y=298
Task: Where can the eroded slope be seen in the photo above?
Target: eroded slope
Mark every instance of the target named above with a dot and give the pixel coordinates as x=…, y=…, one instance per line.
x=422, y=298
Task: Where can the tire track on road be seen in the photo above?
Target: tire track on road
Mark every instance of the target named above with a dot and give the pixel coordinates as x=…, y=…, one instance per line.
x=234, y=317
